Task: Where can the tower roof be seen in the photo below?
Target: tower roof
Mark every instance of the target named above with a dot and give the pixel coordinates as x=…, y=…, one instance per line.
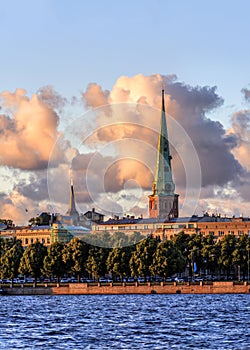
x=163, y=183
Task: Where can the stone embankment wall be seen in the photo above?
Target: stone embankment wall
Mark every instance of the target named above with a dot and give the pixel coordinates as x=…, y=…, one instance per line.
x=145, y=288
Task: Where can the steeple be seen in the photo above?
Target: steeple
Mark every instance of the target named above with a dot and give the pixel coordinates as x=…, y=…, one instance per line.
x=72, y=206
x=163, y=182
x=163, y=202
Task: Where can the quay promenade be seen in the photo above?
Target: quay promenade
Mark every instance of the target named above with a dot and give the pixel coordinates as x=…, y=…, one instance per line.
x=228, y=287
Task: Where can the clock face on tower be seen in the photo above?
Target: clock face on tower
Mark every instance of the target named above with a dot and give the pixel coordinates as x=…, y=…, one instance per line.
x=168, y=188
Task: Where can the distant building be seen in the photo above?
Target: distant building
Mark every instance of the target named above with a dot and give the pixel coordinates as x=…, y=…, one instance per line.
x=94, y=216
x=216, y=226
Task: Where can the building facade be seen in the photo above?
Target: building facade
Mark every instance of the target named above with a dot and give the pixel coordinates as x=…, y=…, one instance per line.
x=206, y=225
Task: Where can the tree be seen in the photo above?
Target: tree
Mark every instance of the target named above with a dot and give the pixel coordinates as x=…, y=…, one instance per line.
x=194, y=253
x=35, y=221
x=7, y=222
x=118, y=261
x=228, y=245
x=32, y=260
x=96, y=262
x=10, y=260
x=167, y=260
x=240, y=254
x=6, y=244
x=210, y=252
x=102, y=239
x=75, y=255
x=142, y=258
x=181, y=241
x=119, y=240
x=135, y=238
x=53, y=264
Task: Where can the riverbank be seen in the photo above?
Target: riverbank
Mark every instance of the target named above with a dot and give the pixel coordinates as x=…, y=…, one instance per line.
x=132, y=288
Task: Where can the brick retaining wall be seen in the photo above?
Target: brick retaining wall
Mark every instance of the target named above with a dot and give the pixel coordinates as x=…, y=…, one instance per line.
x=147, y=288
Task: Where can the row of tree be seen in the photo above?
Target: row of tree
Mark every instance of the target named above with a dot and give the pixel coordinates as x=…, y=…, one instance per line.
x=149, y=257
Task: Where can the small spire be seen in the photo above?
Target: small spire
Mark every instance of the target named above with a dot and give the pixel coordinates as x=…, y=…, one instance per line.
x=162, y=98
x=72, y=206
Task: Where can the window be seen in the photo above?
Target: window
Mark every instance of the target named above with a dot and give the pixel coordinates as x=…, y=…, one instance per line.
x=31, y=240
x=26, y=241
x=48, y=240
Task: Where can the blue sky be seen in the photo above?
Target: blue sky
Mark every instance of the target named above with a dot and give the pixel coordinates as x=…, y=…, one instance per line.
x=70, y=43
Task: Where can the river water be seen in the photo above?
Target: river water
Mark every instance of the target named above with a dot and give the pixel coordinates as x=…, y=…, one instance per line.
x=125, y=322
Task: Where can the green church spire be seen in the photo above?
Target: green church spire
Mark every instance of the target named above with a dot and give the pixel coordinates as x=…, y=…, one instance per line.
x=163, y=183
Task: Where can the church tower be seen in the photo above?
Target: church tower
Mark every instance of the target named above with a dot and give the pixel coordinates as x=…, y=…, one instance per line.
x=72, y=206
x=163, y=203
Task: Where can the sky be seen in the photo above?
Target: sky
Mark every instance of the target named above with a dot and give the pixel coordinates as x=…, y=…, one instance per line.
x=60, y=60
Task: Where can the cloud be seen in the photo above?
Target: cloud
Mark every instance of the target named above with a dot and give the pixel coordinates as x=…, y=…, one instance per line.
x=34, y=187
x=94, y=96
x=28, y=132
x=112, y=148
x=190, y=107
x=240, y=130
x=51, y=98
x=246, y=94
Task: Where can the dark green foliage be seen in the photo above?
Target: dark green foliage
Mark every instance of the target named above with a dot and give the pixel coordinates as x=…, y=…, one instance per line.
x=118, y=261
x=148, y=257
x=167, y=260
x=227, y=247
x=115, y=240
x=32, y=260
x=10, y=260
x=53, y=264
x=96, y=263
x=75, y=255
x=142, y=258
x=241, y=254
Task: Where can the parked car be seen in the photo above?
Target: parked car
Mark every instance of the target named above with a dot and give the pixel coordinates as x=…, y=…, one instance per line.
x=198, y=279
x=160, y=279
x=169, y=279
x=178, y=279
x=30, y=280
x=140, y=279
x=103, y=280
x=5, y=280
x=73, y=280
x=65, y=280
x=131, y=279
x=84, y=280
